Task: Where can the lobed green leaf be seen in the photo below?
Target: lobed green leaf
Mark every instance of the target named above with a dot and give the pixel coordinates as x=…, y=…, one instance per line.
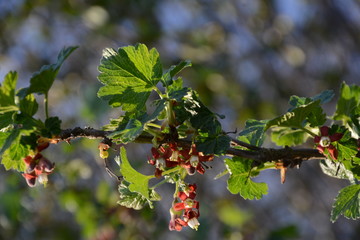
x=135, y=200
x=129, y=76
x=28, y=105
x=7, y=93
x=167, y=78
x=347, y=150
x=42, y=80
x=217, y=145
x=138, y=182
x=52, y=127
x=324, y=97
x=130, y=128
x=348, y=103
x=240, y=182
x=297, y=117
x=12, y=150
x=254, y=131
x=336, y=170
x=348, y=107
x=347, y=203
x=283, y=136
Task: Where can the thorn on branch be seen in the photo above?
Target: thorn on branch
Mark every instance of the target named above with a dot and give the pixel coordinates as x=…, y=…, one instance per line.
x=283, y=169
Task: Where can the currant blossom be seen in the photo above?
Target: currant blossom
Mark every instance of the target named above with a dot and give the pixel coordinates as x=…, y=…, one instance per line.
x=38, y=167
x=324, y=141
x=188, y=206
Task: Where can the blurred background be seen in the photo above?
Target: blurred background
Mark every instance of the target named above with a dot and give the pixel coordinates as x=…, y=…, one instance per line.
x=249, y=57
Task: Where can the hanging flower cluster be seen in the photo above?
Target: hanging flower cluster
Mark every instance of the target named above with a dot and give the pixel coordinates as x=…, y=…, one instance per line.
x=185, y=205
x=324, y=141
x=170, y=155
x=37, y=166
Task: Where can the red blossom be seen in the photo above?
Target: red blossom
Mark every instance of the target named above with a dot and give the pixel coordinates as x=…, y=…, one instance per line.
x=324, y=141
x=185, y=203
x=38, y=167
x=171, y=155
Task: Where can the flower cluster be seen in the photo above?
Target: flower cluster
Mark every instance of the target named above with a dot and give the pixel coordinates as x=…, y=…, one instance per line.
x=324, y=141
x=186, y=206
x=37, y=166
x=170, y=155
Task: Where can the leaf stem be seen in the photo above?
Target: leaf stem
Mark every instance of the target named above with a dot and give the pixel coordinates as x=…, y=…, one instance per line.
x=157, y=90
x=153, y=132
x=170, y=113
x=308, y=131
x=159, y=183
x=171, y=170
x=150, y=124
x=46, y=103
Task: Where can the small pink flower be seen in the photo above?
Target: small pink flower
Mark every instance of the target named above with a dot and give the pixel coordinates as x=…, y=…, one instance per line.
x=185, y=204
x=324, y=141
x=38, y=167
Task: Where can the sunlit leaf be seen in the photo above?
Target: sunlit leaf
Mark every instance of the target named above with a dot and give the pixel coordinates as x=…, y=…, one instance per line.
x=347, y=203
x=129, y=75
x=7, y=93
x=282, y=136
x=138, y=182
x=240, y=182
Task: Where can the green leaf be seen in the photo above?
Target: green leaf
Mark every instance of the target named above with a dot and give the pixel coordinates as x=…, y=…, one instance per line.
x=254, y=131
x=217, y=145
x=303, y=111
x=6, y=119
x=347, y=149
x=7, y=89
x=135, y=200
x=3, y=137
x=240, y=182
x=177, y=85
x=347, y=203
x=324, y=97
x=28, y=105
x=336, y=170
x=42, y=80
x=12, y=157
x=191, y=108
x=316, y=117
x=12, y=151
x=9, y=140
x=167, y=78
x=296, y=118
x=354, y=124
x=348, y=104
x=129, y=76
x=138, y=182
x=7, y=93
x=283, y=136
x=52, y=127
x=203, y=120
x=130, y=128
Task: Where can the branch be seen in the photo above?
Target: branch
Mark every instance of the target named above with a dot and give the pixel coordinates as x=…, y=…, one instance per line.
x=70, y=134
x=289, y=156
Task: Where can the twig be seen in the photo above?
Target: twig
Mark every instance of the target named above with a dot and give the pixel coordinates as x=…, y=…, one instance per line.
x=291, y=157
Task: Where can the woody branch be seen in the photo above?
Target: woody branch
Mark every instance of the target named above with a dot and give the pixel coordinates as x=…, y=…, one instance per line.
x=289, y=156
